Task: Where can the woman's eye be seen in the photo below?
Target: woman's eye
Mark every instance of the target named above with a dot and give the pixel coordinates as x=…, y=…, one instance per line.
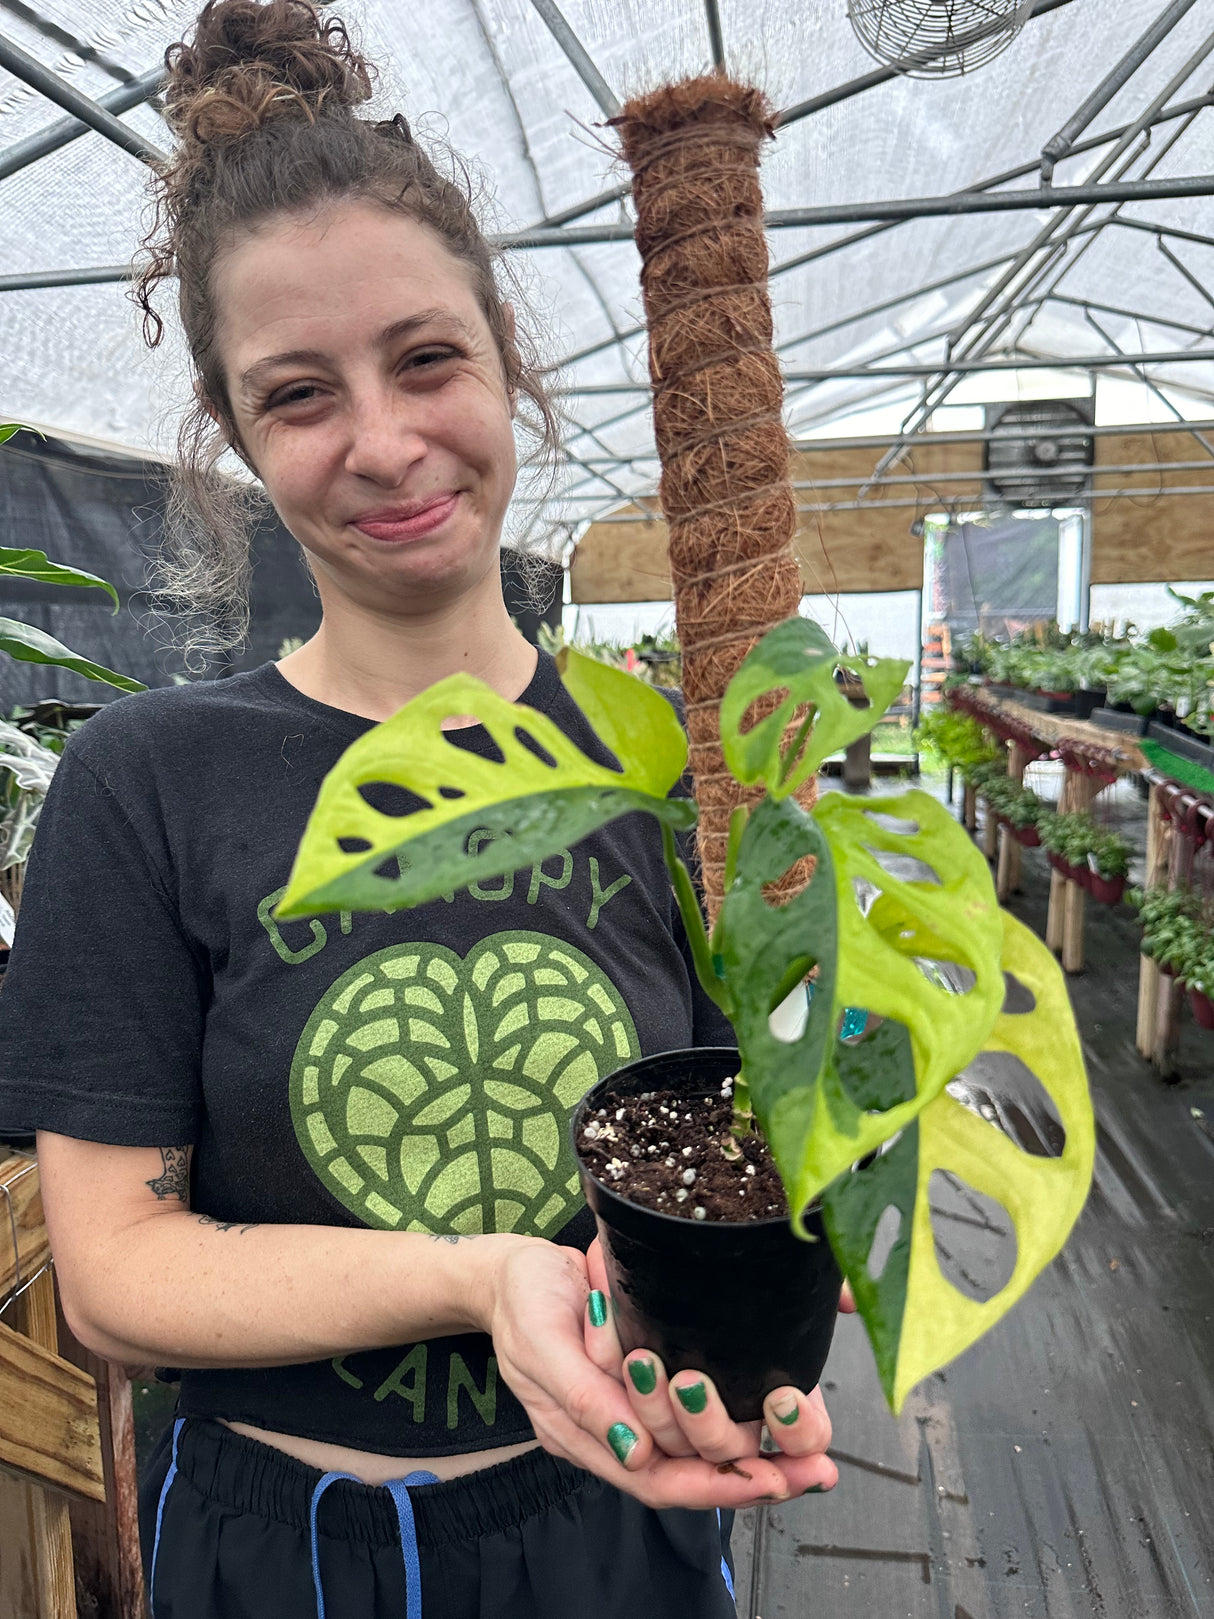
x=430, y=357
x=301, y=393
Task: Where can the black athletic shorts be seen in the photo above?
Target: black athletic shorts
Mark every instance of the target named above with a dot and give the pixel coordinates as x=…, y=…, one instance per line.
x=233, y=1529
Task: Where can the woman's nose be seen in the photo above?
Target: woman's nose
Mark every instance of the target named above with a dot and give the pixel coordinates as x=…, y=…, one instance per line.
x=384, y=442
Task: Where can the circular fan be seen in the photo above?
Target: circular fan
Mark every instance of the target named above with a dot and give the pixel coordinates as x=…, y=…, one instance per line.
x=937, y=39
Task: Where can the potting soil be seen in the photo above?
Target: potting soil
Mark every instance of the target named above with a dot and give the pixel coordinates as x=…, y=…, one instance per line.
x=674, y=1153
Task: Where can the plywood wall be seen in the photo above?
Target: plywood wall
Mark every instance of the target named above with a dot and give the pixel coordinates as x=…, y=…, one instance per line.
x=845, y=551
x=1156, y=537
x=1153, y=536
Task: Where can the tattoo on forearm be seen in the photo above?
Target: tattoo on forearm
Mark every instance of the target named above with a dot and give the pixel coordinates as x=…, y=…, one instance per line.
x=227, y=1225
x=449, y=1236
x=175, y=1181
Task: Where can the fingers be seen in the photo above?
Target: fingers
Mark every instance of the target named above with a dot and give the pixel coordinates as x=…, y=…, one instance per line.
x=704, y=1421
x=649, y=1392
x=596, y=1267
x=797, y=1422
x=689, y=1481
x=602, y=1344
x=847, y=1300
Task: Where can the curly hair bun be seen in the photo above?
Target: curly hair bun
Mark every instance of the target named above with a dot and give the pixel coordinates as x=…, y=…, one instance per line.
x=249, y=64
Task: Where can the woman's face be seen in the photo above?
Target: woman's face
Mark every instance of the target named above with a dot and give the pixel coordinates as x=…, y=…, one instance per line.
x=368, y=394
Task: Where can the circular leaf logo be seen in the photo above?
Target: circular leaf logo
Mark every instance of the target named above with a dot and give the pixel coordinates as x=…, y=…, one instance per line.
x=432, y=1092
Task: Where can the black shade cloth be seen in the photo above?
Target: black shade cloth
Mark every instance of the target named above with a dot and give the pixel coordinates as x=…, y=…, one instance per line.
x=104, y=513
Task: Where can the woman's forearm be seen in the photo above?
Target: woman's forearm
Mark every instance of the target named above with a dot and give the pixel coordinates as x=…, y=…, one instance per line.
x=180, y=1289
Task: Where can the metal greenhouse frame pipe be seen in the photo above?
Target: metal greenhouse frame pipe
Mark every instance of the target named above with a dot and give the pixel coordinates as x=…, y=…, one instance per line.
x=61, y=134
x=30, y=71
x=1002, y=299
x=78, y=47
x=594, y=390
x=573, y=48
x=1060, y=145
x=617, y=193
x=715, y=36
x=34, y=279
x=1181, y=109
x=897, y=209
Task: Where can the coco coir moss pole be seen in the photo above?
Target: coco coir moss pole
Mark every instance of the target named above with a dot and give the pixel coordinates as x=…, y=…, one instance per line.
x=726, y=492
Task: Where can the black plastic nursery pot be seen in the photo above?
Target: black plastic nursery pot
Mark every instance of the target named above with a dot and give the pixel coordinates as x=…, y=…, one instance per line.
x=745, y=1301
x=1121, y=718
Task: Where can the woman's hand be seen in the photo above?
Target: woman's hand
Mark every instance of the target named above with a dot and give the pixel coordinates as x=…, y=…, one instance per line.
x=557, y=1349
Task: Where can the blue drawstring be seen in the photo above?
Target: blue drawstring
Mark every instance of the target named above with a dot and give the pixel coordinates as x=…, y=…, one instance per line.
x=321, y=1487
x=164, y=1495
x=398, y=1489
x=725, y=1574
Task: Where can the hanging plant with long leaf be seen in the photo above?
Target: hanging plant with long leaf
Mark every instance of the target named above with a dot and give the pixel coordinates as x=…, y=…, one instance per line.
x=900, y=919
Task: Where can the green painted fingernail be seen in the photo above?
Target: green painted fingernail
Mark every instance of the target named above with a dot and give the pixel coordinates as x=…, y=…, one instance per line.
x=693, y=1397
x=621, y=1439
x=787, y=1414
x=644, y=1378
x=815, y=1489
x=598, y=1309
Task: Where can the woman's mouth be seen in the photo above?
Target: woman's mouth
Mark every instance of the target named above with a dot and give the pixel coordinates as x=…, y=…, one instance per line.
x=394, y=524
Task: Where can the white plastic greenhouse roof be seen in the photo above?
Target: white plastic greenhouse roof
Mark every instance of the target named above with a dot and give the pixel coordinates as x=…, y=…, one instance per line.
x=493, y=76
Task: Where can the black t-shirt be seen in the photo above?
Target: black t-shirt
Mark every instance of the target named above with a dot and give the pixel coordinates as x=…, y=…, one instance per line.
x=412, y=1071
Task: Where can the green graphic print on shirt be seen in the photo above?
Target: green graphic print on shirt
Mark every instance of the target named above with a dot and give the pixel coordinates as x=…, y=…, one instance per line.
x=431, y=1092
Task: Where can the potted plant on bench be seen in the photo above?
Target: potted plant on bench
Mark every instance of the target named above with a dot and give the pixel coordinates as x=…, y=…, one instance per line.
x=899, y=920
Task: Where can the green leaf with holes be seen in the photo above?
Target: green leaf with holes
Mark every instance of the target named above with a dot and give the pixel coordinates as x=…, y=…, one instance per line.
x=798, y=659
x=892, y=927
x=28, y=564
x=631, y=717
x=916, y=1318
x=758, y=948
x=482, y=817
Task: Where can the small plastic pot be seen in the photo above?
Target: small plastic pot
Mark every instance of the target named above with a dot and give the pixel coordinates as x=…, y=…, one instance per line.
x=1203, y=1008
x=1107, y=890
x=744, y=1301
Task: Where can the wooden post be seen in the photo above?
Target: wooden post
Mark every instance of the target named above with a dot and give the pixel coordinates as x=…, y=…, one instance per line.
x=1167, y=1025
x=1055, y=915
x=990, y=833
x=1017, y=761
x=1149, y=979
x=858, y=764
x=106, y=1538
x=1007, y=880
x=969, y=808
x=37, y=1578
x=1157, y=862
x=1072, y=929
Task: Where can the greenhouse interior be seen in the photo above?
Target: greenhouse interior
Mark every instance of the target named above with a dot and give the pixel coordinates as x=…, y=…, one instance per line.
x=792, y=425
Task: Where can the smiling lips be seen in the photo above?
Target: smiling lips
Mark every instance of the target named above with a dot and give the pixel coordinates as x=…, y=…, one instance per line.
x=410, y=521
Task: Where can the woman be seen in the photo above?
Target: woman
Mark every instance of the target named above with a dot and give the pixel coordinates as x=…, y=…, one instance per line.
x=322, y=1167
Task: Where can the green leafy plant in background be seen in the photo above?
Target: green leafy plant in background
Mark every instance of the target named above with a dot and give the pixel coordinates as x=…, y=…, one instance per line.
x=29, y=747
x=900, y=918
x=1080, y=841
x=32, y=645
x=1178, y=932
x=958, y=740
x=1018, y=805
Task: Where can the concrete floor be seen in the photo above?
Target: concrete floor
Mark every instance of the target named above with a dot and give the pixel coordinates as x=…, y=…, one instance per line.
x=1064, y=1467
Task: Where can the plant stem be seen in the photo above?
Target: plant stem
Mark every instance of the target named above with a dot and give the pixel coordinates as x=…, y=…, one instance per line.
x=693, y=922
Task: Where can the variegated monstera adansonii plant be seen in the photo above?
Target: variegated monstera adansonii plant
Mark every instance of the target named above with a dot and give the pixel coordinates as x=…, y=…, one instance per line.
x=900, y=919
